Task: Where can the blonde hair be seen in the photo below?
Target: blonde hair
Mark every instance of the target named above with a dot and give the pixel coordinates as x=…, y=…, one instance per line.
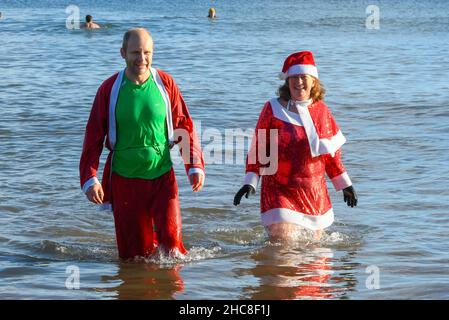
x=316, y=93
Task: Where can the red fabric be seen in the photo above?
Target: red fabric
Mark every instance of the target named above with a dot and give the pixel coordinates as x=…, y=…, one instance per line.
x=303, y=57
x=140, y=203
x=147, y=281
x=315, y=285
x=323, y=120
x=97, y=129
x=334, y=166
x=182, y=121
x=299, y=183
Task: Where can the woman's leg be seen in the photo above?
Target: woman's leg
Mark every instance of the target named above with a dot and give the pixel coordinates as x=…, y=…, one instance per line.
x=283, y=231
x=288, y=232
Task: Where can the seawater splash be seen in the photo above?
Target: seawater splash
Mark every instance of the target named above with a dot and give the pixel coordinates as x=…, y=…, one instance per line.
x=337, y=238
x=174, y=257
x=306, y=238
x=258, y=236
x=247, y=236
x=160, y=257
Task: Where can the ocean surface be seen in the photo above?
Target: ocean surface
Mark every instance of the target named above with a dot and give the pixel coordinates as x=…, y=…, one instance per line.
x=388, y=89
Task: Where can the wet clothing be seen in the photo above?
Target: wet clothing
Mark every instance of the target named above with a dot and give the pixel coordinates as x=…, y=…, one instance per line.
x=308, y=146
x=136, y=213
x=141, y=203
x=142, y=149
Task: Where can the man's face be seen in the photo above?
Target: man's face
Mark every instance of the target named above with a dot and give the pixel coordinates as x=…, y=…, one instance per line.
x=138, y=54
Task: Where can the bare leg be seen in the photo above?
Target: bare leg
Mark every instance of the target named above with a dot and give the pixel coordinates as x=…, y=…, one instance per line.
x=283, y=231
x=289, y=232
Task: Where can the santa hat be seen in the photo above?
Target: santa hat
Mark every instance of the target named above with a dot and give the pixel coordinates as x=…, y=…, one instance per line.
x=299, y=63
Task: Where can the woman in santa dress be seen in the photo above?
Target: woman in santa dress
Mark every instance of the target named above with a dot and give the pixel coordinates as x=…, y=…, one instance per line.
x=305, y=144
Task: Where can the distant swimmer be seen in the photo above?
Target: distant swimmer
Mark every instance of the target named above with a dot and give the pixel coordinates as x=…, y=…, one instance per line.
x=211, y=14
x=90, y=24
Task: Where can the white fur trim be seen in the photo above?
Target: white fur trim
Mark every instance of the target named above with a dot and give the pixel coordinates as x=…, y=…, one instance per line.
x=252, y=178
x=309, y=126
x=283, y=114
x=112, y=104
x=114, y=98
x=282, y=76
x=89, y=183
x=342, y=181
x=317, y=146
x=166, y=98
x=277, y=215
x=333, y=144
x=302, y=69
x=196, y=170
x=302, y=119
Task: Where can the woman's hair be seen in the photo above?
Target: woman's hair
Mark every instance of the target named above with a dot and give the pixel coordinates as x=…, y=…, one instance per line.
x=316, y=94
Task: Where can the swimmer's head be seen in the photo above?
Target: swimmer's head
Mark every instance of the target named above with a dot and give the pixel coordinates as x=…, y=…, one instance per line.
x=211, y=13
x=88, y=18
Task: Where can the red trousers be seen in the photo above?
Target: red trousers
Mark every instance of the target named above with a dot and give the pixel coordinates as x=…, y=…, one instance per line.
x=140, y=204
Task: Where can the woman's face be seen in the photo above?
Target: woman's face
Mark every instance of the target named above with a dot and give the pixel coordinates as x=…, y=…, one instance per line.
x=300, y=86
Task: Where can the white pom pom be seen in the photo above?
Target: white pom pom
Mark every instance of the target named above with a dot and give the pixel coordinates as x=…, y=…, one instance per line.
x=282, y=76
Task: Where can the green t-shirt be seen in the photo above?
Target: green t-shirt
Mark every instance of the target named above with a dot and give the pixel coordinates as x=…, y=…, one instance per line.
x=142, y=148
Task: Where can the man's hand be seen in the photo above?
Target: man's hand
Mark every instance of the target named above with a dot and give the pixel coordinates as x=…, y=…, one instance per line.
x=95, y=193
x=246, y=190
x=350, y=196
x=196, y=181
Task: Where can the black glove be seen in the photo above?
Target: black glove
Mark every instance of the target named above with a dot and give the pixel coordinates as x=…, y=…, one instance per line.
x=246, y=190
x=350, y=196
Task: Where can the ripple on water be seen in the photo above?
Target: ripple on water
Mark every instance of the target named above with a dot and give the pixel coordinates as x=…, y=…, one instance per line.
x=61, y=251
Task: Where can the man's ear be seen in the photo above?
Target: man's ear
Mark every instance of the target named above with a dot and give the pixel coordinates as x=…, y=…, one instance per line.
x=123, y=53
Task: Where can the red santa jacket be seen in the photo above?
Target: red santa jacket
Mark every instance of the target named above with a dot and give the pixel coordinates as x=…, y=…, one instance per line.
x=323, y=135
x=306, y=147
x=102, y=123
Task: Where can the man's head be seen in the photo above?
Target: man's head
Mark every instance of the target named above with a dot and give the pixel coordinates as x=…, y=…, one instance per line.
x=88, y=18
x=137, y=50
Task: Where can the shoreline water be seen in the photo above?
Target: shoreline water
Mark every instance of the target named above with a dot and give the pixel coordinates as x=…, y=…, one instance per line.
x=387, y=88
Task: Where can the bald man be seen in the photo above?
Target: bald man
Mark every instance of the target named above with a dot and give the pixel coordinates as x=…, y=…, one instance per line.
x=142, y=114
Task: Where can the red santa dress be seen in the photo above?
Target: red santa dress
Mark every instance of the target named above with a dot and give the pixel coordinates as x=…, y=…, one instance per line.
x=307, y=145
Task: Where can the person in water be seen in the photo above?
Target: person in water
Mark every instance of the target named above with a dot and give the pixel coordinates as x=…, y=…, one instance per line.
x=141, y=113
x=308, y=147
x=90, y=24
x=212, y=14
